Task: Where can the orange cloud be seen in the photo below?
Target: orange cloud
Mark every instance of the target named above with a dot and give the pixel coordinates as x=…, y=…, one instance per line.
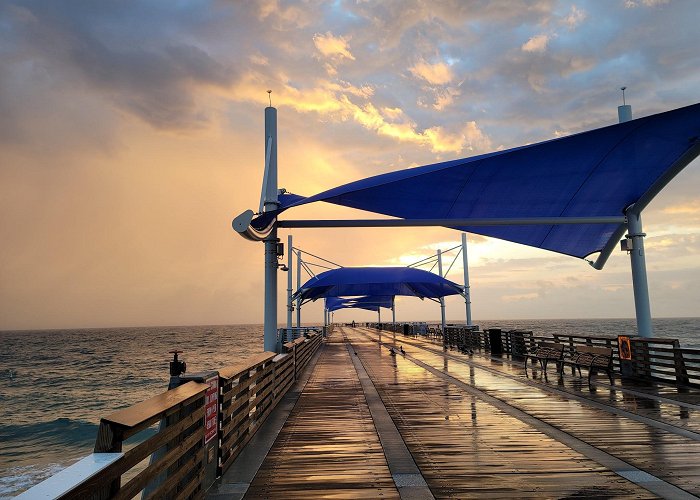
x=537, y=43
x=335, y=47
x=339, y=101
x=692, y=207
x=435, y=74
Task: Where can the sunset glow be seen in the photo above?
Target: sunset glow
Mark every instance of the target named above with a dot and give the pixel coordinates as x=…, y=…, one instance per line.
x=132, y=133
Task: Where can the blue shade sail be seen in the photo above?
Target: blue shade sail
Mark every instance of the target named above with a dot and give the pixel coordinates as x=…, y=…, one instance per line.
x=377, y=281
x=368, y=303
x=596, y=173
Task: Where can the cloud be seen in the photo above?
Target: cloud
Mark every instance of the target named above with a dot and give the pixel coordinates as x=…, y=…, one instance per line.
x=335, y=47
x=537, y=43
x=144, y=73
x=691, y=207
x=285, y=17
x=436, y=74
x=343, y=101
x=575, y=17
x=519, y=297
x=647, y=3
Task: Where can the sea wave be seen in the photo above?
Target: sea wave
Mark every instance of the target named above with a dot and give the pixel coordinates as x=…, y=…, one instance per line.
x=18, y=479
x=19, y=440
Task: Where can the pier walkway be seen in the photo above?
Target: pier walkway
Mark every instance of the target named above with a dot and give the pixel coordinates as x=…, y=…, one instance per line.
x=435, y=423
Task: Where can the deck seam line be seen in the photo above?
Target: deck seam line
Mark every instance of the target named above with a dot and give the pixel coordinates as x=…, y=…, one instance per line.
x=407, y=476
x=695, y=436
x=625, y=470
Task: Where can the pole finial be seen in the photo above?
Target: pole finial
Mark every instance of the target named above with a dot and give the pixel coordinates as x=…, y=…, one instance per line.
x=623, y=95
x=269, y=96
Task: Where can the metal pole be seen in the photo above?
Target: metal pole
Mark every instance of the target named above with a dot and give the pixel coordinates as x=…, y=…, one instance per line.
x=635, y=235
x=640, y=285
x=270, y=324
x=442, y=299
x=393, y=310
x=467, y=294
x=379, y=315
x=289, y=281
x=298, y=287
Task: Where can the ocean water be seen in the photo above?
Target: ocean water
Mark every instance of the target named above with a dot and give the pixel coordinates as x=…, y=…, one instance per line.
x=56, y=384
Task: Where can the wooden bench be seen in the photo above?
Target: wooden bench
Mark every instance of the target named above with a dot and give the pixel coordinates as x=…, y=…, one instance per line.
x=546, y=352
x=593, y=358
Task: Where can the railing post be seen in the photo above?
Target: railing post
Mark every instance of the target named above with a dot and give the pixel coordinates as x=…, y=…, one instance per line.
x=109, y=440
x=679, y=363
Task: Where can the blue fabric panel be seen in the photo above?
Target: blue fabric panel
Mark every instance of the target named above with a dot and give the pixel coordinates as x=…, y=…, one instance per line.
x=377, y=281
x=596, y=173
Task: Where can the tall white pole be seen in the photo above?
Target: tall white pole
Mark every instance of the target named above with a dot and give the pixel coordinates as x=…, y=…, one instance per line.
x=467, y=291
x=270, y=324
x=298, y=287
x=640, y=285
x=442, y=299
x=635, y=235
x=289, y=281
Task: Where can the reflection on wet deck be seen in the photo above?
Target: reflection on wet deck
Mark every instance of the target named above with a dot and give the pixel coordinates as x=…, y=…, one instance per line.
x=481, y=427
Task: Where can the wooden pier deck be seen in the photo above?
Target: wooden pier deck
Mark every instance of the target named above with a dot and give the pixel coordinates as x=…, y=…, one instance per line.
x=435, y=423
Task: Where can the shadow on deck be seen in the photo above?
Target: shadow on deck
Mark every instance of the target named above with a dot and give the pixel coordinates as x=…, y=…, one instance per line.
x=434, y=423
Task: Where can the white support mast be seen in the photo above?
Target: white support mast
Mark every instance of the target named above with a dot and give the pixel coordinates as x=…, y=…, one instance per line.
x=298, y=288
x=290, y=307
x=442, y=299
x=467, y=291
x=270, y=203
x=635, y=245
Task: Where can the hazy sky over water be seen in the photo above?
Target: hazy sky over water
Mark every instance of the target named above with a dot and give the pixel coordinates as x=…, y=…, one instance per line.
x=132, y=133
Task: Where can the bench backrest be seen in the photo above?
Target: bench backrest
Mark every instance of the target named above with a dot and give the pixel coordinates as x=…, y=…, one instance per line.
x=596, y=351
x=553, y=345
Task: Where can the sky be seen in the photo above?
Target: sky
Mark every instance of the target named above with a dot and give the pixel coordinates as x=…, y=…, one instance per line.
x=131, y=133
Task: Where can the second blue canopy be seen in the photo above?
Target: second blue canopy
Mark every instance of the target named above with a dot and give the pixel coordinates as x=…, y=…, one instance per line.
x=358, y=281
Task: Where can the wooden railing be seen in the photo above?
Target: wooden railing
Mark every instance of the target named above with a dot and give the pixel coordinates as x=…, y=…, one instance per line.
x=182, y=437
x=248, y=392
x=654, y=359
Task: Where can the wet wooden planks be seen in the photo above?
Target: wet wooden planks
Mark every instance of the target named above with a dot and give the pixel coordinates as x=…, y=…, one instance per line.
x=328, y=447
x=466, y=448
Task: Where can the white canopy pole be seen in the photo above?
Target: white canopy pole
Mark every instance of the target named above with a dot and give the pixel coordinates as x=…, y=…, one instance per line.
x=640, y=285
x=298, y=288
x=271, y=203
x=635, y=237
x=442, y=299
x=290, y=307
x=467, y=295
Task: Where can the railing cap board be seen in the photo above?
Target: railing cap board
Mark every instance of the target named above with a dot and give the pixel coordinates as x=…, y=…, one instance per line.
x=63, y=482
x=300, y=340
x=653, y=340
x=553, y=345
x=245, y=365
x=605, y=351
x=280, y=357
x=146, y=410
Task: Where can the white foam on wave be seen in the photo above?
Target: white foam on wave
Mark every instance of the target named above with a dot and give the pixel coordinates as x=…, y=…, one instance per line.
x=15, y=480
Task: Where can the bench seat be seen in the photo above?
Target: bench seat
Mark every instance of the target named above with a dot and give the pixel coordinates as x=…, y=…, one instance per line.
x=595, y=359
x=546, y=352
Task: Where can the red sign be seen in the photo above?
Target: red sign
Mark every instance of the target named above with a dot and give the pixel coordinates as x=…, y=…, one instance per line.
x=211, y=409
x=623, y=343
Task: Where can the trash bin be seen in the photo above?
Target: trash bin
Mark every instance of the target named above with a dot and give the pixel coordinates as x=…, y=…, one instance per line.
x=406, y=329
x=495, y=341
